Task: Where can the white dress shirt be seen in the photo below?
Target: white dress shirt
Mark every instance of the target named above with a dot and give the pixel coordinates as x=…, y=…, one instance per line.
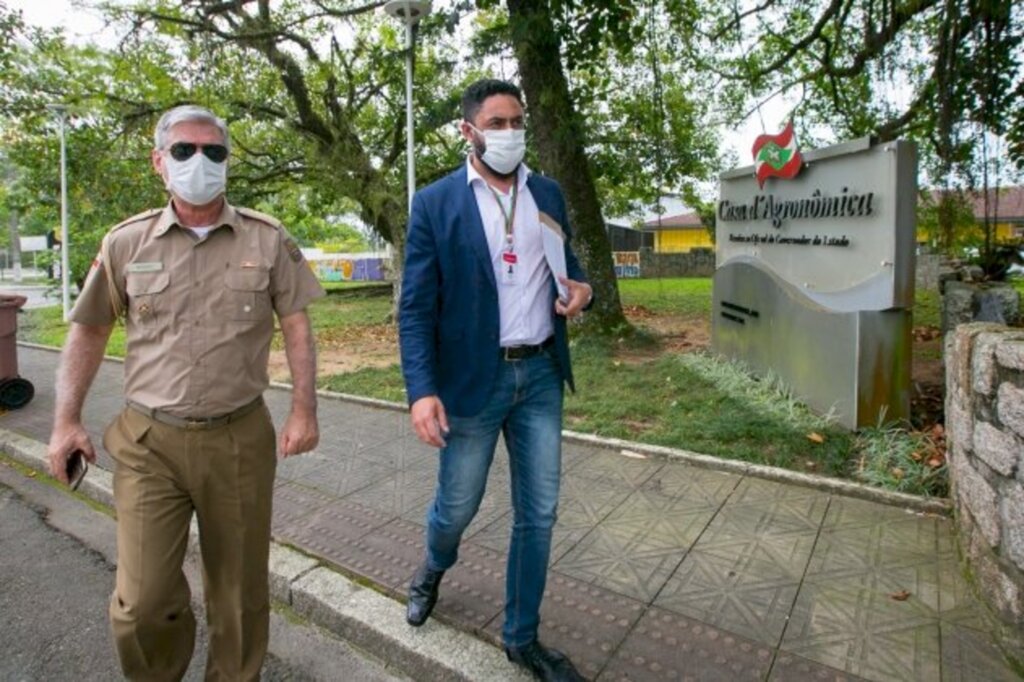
x=525, y=303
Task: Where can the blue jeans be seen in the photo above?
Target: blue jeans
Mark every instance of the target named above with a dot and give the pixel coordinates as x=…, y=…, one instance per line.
x=526, y=406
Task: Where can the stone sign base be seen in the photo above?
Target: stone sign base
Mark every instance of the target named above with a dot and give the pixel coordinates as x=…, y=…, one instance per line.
x=853, y=364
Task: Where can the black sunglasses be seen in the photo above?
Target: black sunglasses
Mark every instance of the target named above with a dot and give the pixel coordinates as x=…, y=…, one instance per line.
x=182, y=151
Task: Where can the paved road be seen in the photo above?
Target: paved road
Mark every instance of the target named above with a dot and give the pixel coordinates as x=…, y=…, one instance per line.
x=56, y=574
x=39, y=295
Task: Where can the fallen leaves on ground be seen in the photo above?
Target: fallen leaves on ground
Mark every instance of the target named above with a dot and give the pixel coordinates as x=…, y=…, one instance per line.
x=815, y=437
x=637, y=311
x=902, y=595
x=374, y=336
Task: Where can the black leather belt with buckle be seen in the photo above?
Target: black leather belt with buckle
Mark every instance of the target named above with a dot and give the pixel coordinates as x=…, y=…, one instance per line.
x=196, y=423
x=525, y=352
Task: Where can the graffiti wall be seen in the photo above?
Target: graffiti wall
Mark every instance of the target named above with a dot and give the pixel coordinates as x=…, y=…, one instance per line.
x=348, y=267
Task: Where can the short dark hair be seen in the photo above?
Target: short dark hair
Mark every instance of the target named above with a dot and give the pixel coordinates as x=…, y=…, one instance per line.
x=474, y=96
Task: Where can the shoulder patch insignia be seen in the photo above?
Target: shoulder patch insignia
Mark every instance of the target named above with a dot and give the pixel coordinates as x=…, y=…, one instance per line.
x=293, y=249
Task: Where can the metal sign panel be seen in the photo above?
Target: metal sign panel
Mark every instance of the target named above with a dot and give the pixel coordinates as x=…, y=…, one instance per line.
x=815, y=278
x=842, y=231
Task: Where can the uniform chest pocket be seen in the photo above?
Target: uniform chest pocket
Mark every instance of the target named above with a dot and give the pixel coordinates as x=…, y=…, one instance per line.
x=247, y=294
x=147, y=293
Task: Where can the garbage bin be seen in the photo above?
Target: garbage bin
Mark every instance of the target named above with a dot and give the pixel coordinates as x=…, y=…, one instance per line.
x=15, y=392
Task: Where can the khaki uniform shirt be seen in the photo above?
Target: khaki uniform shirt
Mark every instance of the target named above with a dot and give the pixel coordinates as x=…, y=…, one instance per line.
x=199, y=312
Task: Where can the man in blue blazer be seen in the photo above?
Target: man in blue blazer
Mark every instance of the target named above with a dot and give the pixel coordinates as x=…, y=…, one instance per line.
x=489, y=282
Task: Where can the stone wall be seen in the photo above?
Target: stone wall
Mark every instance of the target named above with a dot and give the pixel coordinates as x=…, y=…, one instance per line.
x=698, y=262
x=985, y=428
x=964, y=302
x=928, y=268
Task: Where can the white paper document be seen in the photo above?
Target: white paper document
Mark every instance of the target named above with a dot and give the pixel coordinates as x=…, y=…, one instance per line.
x=554, y=251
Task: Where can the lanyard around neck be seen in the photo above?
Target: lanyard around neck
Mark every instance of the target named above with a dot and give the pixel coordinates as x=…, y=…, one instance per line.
x=510, y=217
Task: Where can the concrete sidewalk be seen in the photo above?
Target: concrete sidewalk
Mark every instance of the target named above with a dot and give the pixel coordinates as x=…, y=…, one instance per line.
x=661, y=570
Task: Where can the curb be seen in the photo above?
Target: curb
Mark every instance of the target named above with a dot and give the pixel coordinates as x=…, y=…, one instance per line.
x=363, y=616
x=927, y=505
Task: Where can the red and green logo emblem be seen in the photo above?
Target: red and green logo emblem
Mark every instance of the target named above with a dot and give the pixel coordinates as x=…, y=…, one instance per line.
x=777, y=156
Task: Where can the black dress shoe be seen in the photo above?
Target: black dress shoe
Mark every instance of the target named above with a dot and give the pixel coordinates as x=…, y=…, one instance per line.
x=422, y=595
x=548, y=665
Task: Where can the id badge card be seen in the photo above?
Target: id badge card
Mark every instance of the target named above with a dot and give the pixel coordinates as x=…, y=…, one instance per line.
x=509, y=263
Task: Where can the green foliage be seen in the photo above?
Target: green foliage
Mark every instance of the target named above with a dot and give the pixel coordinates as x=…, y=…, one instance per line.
x=109, y=178
x=889, y=457
x=317, y=130
x=943, y=74
x=927, y=307
x=306, y=216
x=647, y=119
x=947, y=219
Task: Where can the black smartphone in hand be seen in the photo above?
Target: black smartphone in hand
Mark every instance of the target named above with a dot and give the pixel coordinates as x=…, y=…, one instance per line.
x=76, y=468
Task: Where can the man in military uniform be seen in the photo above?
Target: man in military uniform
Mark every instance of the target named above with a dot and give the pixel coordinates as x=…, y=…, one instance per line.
x=198, y=283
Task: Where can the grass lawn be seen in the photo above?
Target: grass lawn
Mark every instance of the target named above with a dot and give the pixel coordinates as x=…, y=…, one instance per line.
x=642, y=392
x=690, y=402
x=46, y=326
x=689, y=297
x=683, y=401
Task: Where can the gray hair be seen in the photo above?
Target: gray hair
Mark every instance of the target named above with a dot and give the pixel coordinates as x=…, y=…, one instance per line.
x=183, y=114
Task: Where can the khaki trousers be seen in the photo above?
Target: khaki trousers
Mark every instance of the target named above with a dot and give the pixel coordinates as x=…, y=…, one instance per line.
x=224, y=475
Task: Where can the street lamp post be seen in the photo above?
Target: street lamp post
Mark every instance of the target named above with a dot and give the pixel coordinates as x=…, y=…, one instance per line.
x=65, y=274
x=410, y=12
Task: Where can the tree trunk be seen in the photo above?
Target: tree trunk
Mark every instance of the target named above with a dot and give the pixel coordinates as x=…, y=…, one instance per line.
x=387, y=216
x=394, y=274
x=560, y=142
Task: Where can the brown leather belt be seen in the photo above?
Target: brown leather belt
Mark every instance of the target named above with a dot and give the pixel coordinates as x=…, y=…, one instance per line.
x=525, y=352
x=196, y=423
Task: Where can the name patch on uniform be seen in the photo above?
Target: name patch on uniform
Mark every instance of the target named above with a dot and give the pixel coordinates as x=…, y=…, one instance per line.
x=144, y=267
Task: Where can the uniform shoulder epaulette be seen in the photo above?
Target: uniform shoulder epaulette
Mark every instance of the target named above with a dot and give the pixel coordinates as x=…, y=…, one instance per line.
x=261, y=217
x=145, y=215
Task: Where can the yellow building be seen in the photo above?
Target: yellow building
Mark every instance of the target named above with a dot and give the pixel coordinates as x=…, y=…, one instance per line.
x=679, y=233
x=1005, y=208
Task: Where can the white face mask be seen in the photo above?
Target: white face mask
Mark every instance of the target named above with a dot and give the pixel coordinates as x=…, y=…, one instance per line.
x=503, y=149
x=197, y=180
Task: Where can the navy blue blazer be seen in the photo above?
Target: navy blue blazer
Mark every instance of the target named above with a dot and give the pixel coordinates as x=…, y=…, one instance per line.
x=448, y=313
